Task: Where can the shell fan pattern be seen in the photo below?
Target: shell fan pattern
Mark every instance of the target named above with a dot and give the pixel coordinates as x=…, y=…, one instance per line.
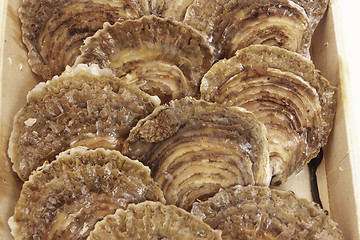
x=65, y=198
x=85, y=106
x=162, y=57
x=194, y=148
x=169, y=119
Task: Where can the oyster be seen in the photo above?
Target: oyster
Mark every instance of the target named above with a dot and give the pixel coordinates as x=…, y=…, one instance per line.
x=315, y=9
x=65, y=198
x=152, y=220
x=194, y=148
x=85, y=106
x=286, y=93
x=53, y=31
x=161, y=56
x=235, y=24
x=255, y=212
x=174, y=9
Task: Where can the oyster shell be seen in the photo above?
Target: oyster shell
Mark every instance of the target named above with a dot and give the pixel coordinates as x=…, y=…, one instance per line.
x=174, y=9
x=315, y=9
x=84, y=106
x=194, y=148
x=152, y=220
x=65, y=198
x=235, y=24
x=286, y=93
x=53, y=31
x=161, y=56
x=255, y=212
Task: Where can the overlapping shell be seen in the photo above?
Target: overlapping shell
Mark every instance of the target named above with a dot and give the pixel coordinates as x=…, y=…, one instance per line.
x=194, y=148
x=174, y=9
x=161, y=56
x=65, y=198
x=315, y=10
x=255, y=212
x=151, y=220
x=286, y=93
x=53, y=31
x=235, y=24
x=84, y=106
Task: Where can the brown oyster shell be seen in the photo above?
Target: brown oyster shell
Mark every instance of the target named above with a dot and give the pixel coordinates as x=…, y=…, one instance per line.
x=194, y=148
x=286, y=93
x=235, y=24
x=254, y=212
x=139, y=46
x=174, y=9
x=53, y=31
x=152, y=220
x=315, y=9
x=65, y=198
x=85, y=106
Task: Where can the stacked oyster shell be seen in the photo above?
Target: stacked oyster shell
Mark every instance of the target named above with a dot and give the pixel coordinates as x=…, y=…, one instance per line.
x=211, y=138
x=85, y=106
x=286, y=93
x=150, y=220
x=255, y=212
x=194, y=148
x=65, y=198
x=160, y=56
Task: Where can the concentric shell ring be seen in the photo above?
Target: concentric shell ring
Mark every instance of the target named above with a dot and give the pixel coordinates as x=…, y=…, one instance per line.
x=85, y=106
x=261, y=213
x=151, y=220
x=194, y=148
x=286, y=93
x=53, y=31
x=161, y=56
x=65, y=198
x=235, y=24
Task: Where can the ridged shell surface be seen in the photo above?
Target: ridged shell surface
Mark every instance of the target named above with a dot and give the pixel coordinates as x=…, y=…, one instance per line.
x=235, y=24
x=65, y=198
x=174, y=9
x=152, y=220
x=85, y=106
x=194, y=148
x=53, y=31
x=286, y=93
x=253, y=212
x=161, y=56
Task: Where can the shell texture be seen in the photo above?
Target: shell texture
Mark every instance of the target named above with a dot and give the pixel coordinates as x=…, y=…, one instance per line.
x=85, y=106
x=235, y=24
x=194, y=148
x=54, y=30
x=255, y=212
x=163, y=57
x=286, y=93
x=152, y=220
x=65, y=198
